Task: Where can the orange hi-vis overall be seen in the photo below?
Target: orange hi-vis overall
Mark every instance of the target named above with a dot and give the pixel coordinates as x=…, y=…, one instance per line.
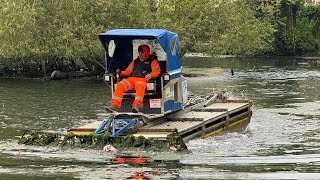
x=138, y=80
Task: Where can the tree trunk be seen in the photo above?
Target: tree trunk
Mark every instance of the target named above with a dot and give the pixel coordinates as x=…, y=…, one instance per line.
x=288, y=24
x=43, y=67
x=294, y=16
x=316, y=28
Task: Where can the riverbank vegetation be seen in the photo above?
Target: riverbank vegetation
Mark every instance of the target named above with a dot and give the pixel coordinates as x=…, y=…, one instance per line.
x=38, y=37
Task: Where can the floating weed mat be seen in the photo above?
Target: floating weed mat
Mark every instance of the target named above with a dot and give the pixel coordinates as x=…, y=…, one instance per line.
x=39, y=138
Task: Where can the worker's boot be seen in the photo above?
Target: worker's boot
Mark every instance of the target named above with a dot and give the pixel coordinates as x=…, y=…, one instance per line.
x=135, y=109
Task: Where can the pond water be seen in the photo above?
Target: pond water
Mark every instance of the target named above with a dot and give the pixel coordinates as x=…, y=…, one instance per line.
x=281, y=142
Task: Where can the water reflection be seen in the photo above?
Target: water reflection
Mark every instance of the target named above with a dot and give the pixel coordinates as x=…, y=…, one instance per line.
x=83, y=164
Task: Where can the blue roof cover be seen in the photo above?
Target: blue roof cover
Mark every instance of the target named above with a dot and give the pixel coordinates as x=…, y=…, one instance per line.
x=123, y=40
x=136, y=32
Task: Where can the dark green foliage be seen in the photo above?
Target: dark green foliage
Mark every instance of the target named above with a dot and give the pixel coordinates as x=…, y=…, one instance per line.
x=38, y=37
x=39, y=138
x=295, y=22
x=299, y=34
x=140, y=142
x=100, y=140
x=297, y=41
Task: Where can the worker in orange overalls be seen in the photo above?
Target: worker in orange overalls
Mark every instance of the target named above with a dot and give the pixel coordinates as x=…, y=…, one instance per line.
x=140, y=70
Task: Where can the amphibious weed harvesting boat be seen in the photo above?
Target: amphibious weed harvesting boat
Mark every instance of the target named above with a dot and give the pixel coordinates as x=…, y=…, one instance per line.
x=170, y=115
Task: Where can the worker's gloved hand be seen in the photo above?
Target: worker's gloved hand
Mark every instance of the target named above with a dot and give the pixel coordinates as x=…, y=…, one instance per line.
x=118, y=71
x=118, y=75
x=148, y=77
x=144, y=73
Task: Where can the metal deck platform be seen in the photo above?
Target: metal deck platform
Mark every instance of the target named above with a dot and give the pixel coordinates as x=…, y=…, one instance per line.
x=191, y=123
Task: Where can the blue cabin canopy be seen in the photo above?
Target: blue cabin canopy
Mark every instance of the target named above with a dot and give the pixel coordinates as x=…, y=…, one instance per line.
x=123, y=53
